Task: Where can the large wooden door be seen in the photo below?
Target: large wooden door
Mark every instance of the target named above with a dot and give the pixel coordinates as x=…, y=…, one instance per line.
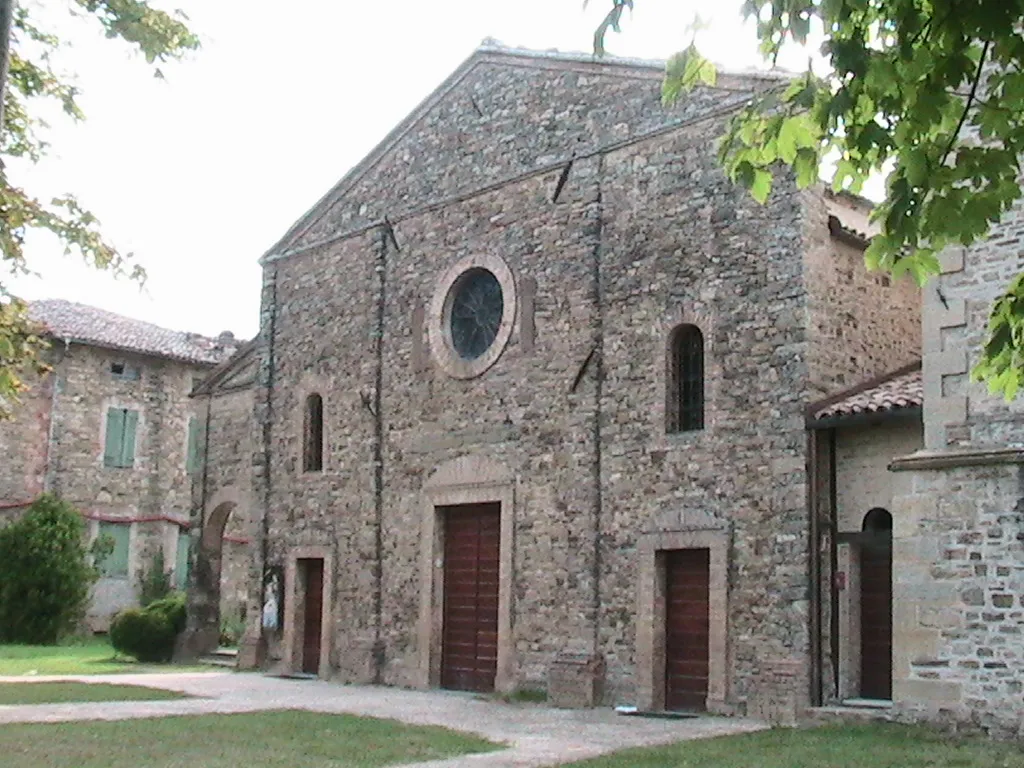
x=876, y=615
x=312, y=622
x=469, y=657
x=686, y=628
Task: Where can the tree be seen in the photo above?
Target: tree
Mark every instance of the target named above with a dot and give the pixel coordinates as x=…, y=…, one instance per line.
x=45, y=575
x=928, y=92
x=27, y=81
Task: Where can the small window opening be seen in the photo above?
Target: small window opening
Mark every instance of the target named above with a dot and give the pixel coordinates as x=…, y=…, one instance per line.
x=684, y=409
x=313, y=435
x=121, y=370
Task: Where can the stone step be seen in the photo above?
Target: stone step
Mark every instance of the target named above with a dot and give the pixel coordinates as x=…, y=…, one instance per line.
x=222, y=657
x=852, y=711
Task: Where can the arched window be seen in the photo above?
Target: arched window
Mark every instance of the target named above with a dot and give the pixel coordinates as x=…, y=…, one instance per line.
x=684, y=406
x=313, y=435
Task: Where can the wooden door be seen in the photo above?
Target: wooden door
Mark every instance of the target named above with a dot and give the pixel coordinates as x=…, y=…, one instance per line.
x=469, y=656
x=687, y=581
x=312, y=622
x=876, y=615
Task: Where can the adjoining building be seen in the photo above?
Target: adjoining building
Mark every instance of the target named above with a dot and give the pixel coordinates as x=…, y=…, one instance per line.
x=110, y=429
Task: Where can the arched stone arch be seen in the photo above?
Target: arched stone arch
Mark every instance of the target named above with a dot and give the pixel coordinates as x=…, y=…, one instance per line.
x=204, y=583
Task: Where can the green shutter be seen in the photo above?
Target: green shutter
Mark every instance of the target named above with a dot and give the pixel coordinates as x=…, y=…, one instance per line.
x=112, y=442
x=181, y=560
x=194, y=445
x=131, y=420
x=116, y=564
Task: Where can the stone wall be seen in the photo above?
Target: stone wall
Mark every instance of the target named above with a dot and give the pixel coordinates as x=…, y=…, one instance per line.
x=223, y=521
x=863, y=479
x=862, y=324
x=23, y=444
x=959, y=615
x=960, y=530
x=863, y=483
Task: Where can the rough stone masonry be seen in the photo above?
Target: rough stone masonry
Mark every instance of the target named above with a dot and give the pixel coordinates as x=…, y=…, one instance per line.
x=607, y=223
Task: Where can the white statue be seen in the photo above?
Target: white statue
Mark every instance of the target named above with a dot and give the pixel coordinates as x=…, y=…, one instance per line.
x=270, y=603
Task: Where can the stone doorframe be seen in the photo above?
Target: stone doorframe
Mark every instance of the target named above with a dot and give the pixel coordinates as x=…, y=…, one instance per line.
x=294, y=604
x=466, y=480
x=705, y=533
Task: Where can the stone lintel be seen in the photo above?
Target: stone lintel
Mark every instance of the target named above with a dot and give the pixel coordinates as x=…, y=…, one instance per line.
x=972, y=457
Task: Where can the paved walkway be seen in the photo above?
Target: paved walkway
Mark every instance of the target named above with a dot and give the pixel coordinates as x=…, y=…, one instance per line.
x=536, y=735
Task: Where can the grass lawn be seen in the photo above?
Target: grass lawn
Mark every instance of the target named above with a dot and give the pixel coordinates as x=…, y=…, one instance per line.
x=59, y=693
x=93, y=656
x=282, y=739
x=853, y=746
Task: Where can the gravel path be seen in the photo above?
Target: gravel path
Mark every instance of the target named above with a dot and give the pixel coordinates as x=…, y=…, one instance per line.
x=536, y=735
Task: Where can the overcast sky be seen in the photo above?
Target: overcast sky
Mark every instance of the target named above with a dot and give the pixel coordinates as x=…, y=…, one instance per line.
x=199, y=174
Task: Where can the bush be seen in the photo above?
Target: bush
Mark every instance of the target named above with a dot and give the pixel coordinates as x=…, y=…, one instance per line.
x=232, y=627
x=45, y=574
x=156, y=582
x=171, y=608
x=147, y=635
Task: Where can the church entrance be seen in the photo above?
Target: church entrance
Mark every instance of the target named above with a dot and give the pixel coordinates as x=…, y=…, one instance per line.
x=876, y=606
x=469, y=653
x=687, y=647
x=312, y=620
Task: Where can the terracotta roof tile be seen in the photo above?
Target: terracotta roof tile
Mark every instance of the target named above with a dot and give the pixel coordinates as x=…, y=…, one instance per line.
x=91, y=325
x=901, y=391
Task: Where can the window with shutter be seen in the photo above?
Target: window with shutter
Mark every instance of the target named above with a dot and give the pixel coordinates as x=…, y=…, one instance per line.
x=181, y=560
x=195, y=444
x=115, y=565
x=119, y=442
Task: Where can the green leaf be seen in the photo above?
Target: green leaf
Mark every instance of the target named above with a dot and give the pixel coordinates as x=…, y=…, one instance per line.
x=761, y=187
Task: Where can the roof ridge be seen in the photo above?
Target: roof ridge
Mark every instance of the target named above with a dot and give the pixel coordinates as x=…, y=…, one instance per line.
x=96, y=326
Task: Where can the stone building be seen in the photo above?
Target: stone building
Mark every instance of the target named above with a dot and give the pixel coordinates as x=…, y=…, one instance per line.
x=110, y=430
x=530, y=404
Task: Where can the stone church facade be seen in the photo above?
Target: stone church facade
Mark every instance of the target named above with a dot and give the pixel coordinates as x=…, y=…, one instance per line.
x=530, y=405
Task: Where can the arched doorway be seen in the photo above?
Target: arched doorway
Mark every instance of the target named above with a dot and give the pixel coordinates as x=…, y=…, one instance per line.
x=204, y=592
x=876, y=606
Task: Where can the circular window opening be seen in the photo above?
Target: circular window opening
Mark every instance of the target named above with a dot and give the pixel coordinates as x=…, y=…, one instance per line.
x=477, y=307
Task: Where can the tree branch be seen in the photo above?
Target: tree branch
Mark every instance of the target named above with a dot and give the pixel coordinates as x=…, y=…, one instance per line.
x=6, y=19
x=969, y=104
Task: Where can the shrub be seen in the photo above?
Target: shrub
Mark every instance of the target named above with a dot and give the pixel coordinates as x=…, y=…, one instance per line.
x=147, y=635
x=171, y=608
x=156, y=582
x=45, y=574
x=232, y=627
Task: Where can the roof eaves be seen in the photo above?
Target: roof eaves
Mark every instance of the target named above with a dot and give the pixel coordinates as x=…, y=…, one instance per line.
x=877, y=381
x=87, y=342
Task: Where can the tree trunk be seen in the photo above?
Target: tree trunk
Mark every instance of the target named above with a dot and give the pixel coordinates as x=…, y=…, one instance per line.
x=6, y=17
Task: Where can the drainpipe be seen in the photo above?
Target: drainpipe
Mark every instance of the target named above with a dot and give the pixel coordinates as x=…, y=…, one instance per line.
x=597, y=469
x=814, y=569
x=378, y=461
x=833, y=507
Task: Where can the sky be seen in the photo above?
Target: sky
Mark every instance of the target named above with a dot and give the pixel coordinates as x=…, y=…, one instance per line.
x=199, y=174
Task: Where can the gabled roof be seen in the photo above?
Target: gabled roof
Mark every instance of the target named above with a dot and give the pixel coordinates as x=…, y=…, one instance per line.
x=237, y=372
x=899, y=391
x=493, y=52
x=83, y=324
